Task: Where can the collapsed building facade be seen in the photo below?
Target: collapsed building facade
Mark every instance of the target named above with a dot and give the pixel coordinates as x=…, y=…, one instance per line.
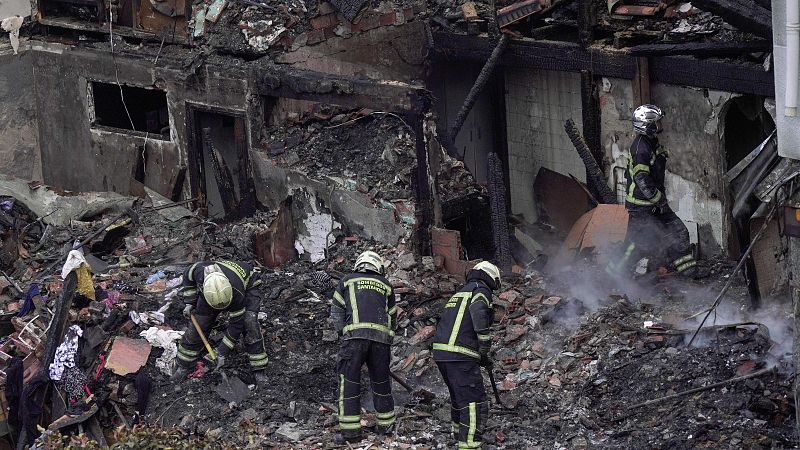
x=327, y=122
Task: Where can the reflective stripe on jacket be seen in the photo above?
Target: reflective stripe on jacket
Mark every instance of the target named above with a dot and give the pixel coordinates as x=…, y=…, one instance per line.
x=463, y=329
x=363, y=307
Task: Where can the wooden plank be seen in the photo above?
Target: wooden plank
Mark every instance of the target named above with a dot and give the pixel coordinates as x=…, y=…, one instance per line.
x=746, y=15
x=641, y=82
x=731, y=76
x=701, y=48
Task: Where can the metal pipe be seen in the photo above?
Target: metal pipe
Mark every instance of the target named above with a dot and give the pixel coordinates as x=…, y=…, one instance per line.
x=792, y=56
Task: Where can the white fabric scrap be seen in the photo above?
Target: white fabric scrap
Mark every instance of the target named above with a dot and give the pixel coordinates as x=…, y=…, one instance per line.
x=74, y=260
x=65, y=353
x=164, y=339
x=12, y=25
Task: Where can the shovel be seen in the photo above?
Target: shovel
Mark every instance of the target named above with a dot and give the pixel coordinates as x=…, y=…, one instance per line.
x=494, y=389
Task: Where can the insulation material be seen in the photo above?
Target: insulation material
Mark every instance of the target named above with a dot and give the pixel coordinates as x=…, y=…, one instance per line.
x=317, y=235
x=12, y=25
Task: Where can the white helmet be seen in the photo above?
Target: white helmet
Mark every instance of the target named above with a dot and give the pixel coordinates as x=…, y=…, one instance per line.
x=372, y=261
x=217, y=289
x=645, y=119
x=491, y=270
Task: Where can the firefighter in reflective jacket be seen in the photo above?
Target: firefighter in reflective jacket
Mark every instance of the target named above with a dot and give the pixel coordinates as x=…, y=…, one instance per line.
x=210, y=288
x=363, y=312
x=461, y=346
x=653, y=228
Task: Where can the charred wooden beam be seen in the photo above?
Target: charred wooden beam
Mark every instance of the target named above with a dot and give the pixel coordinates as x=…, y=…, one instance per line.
x=59, y=324
x=746, y=15
x=701, y=48
x=483, y=77
x=340, y=90
x=594, y=176
x=422, y=186
x=586, y=22
x=590, y=112
x=731, y=76
x=641, y=82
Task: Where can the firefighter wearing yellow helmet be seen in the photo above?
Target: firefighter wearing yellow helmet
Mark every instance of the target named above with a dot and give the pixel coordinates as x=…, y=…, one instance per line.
x=364, y=314
x=210, y=288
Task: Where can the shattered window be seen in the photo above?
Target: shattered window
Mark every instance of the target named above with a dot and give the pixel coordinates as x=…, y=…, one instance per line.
x=131, y=108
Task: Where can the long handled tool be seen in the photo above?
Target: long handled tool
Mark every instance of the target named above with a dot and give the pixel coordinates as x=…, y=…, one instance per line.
x=211, y=353
x=494, y=388
x=400, y=381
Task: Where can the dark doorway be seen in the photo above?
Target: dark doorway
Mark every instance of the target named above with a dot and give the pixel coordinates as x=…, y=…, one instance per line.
x=220, y=169
x=746, y=125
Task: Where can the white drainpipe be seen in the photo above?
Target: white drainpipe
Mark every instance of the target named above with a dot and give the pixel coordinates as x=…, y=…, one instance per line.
x=792, y=55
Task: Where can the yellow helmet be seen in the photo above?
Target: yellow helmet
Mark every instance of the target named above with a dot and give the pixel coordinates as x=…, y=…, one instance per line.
x=491, y=270
x=370, y=260
x=217, y=289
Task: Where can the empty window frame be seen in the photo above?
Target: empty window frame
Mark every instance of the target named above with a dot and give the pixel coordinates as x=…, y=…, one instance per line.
x=135, y=109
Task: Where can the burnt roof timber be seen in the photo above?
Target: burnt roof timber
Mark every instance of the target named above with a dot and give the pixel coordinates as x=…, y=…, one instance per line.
x=279, y=81
x=716, y=74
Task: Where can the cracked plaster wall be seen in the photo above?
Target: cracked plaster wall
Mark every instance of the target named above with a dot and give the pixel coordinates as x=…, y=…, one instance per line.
x=19, y=135
x=693, y=134
x=354, y=210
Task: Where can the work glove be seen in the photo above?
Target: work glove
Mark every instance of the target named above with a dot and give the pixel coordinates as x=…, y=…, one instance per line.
x=220, y=361
x=486, y=361
x=662, y=205
x=187, y=311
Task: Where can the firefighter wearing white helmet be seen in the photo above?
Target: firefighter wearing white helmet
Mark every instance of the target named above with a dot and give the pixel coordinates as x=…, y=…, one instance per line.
x=462, y=344
x=210, y=288
x=364, y=314
x=654, y=230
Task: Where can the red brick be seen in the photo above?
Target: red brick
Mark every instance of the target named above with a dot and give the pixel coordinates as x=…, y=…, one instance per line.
x=329, y=33
x=315, y=37
x=387, y=19
x=367, y=23
x=320, y=22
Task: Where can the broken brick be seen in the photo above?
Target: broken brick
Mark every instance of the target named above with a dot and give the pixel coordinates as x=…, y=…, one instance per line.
x=551, y=301
x=423, y=335
x=127, y=355
x=320, y=22
x=514, y=332
x=387, y=19
x=469, y=11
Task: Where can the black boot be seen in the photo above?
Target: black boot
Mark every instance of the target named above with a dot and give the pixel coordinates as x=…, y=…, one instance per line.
x=179, y=374
x=347, y=436
x=384, y=430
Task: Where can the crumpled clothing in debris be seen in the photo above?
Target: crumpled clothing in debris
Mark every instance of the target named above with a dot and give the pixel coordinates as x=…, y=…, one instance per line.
x=65, y=353
x=72, y=383
x=76, y=261
x=166, y=340
x=28, y=306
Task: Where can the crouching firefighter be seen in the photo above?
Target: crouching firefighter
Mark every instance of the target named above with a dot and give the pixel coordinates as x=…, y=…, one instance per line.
x=210, y=288
x=363, y=312
x=461, y=346
x=653, y=228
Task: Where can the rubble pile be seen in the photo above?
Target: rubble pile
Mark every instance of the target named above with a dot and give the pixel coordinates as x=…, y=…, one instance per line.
x=570, y=363
x=368, y=151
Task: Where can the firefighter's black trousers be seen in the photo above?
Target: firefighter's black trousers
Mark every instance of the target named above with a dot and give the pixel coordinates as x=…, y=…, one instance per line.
x=353, y=354
x=468, y=406
x=659, y=236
